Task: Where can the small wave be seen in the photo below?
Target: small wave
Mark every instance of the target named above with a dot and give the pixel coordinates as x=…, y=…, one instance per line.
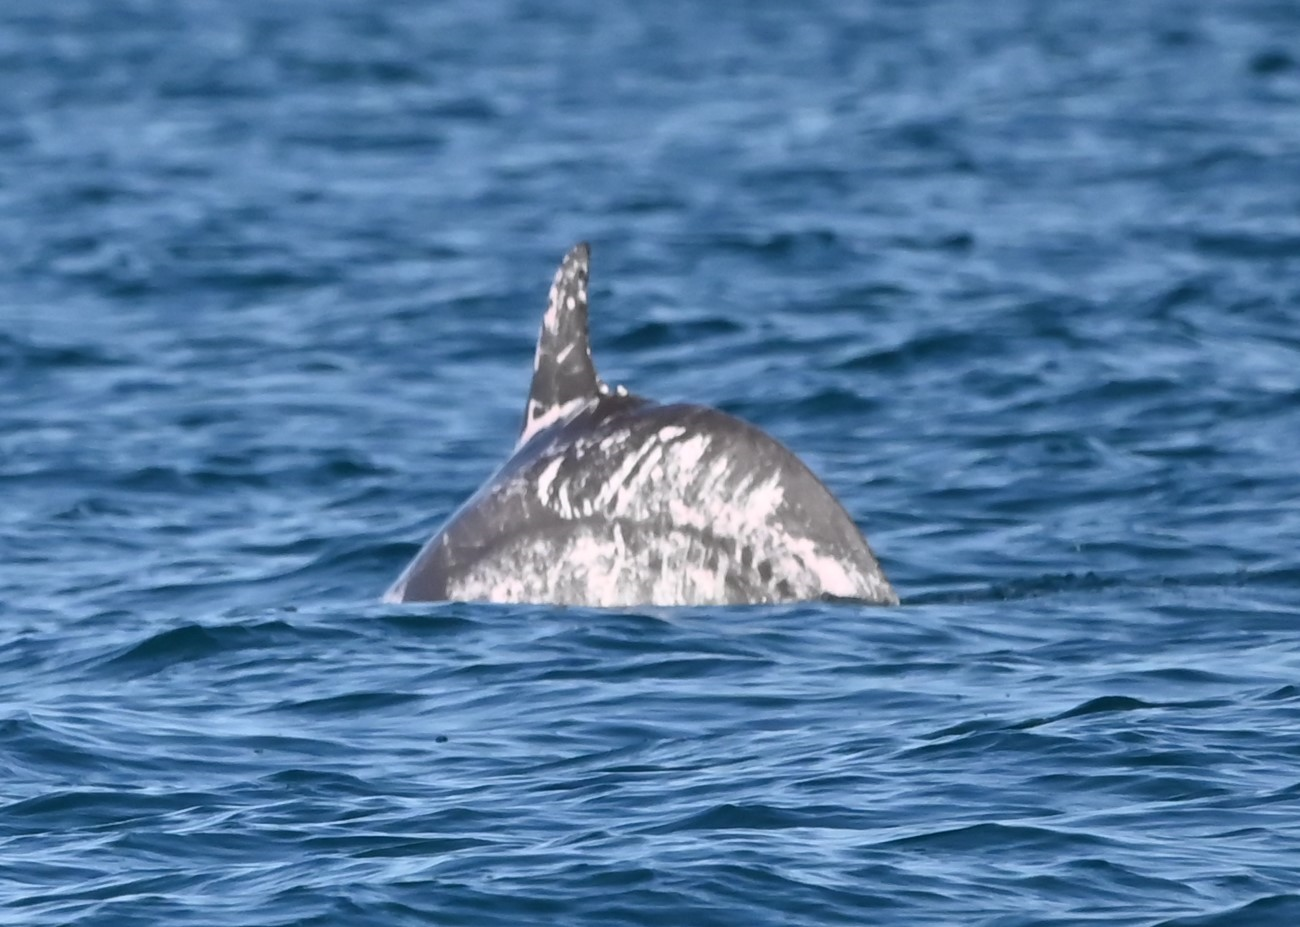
x=694, y=332
x=759, y=817
x=1261, y=245
x=66, y=809
x=30, y=356
x=348, y=705
x=995, y=837
x=934, y=346
x=194, y=642
x=318, y=782
x=1271, y=909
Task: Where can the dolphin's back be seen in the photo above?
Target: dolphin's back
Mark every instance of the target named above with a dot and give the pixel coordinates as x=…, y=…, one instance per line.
x=610, y=499
x=630, y=502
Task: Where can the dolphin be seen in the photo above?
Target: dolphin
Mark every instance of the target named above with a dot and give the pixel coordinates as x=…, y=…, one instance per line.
x=613, y=500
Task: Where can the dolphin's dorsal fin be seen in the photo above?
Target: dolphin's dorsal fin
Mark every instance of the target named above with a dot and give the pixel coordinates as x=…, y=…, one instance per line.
x=564, y=377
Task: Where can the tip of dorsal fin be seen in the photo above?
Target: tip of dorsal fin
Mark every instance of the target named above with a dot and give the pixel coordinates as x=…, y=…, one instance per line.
x=564, y=376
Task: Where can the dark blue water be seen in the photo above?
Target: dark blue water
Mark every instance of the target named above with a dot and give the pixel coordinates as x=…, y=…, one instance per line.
x=1021, y=281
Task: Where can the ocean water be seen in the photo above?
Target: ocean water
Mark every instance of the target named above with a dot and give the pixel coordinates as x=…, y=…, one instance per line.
x=1021, y=281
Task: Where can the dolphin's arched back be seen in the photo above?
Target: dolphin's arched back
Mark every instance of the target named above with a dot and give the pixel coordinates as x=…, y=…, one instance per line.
x=613, y=500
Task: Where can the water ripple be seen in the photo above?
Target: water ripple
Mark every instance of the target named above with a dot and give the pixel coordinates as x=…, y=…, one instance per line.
x=1019, y=282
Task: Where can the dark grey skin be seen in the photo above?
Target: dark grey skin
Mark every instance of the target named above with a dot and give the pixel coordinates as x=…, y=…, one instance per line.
x=615, y=500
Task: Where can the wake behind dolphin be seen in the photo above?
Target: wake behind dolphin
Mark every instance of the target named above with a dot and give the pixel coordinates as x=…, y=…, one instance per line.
x=614, y=500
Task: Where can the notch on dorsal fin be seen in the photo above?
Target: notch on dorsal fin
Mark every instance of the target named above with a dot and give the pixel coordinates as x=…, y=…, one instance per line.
x=564, y=376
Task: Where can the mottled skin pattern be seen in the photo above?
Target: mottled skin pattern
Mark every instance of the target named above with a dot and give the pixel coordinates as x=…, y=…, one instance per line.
x=613, y=500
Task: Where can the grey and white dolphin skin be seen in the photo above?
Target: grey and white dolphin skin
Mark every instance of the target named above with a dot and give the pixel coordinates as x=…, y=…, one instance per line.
x=613, y=500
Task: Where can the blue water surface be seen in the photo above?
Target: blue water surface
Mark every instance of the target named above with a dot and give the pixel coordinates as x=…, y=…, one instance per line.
x=1020, y=281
